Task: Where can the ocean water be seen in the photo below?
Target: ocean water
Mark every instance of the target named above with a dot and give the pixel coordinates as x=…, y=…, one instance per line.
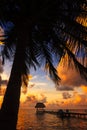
x=29, y=120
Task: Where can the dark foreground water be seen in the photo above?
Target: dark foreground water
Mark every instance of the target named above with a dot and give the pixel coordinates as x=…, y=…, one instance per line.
x=28, y=120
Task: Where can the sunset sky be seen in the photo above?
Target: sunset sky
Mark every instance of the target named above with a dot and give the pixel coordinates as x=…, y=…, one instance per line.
x=71, y=93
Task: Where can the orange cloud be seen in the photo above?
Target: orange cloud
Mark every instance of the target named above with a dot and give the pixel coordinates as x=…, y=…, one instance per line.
x=70, y=78
x=30, y=97
x=77, y=99
x=1, y=35
x=2, y=92
x=30, y=77
x=84, y=88
x=1, y=99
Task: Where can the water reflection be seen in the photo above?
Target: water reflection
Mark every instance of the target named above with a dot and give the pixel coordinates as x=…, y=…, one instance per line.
x=29, y=120
x=40, y=117
x=66, y=123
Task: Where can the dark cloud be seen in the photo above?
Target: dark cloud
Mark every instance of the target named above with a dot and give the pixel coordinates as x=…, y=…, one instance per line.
x=2, y=89
x=66, y=95
x=73, y=78
x=3, y=82
x=65, y=88
x=1, y=67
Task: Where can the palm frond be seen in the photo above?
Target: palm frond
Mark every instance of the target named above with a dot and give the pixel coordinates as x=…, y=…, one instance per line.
x=43, y=32
x=49, y=66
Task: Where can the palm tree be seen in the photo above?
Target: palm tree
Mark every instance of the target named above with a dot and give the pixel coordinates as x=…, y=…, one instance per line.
x=35, y=34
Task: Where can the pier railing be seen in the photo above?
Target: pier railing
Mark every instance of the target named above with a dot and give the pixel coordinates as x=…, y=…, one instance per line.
x=78, y=115
x=82, y=115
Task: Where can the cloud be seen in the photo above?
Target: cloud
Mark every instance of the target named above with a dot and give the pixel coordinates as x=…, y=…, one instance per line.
x=30, y=77
x=52, y=105
x=29, y=101
x=43, y=98
x=69, y=100
x=36, y=84
x=66, y=95
x=3, y=82
x=80, y=100
x=32, y=85
x=40, y=84
x=32, y=98
x=34, y=77
x=70, y=78
x=24, y=89
x=1, y=67
x=75, y=101
x=64, y=88
x=84, y=88
x=2, y=90
x=1, y=34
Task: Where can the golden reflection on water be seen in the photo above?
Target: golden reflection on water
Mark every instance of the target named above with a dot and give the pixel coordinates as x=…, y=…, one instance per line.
x=29, y=120
x=21, y=120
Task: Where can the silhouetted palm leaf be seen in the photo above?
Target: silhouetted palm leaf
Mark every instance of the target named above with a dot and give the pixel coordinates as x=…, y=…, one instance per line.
x=44, y=24
x=45, y=27
x=41, y=33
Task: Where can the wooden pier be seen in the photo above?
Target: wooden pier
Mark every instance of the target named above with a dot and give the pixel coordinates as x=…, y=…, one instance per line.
x=69, y=114
x=75, y=114
x=52, y=112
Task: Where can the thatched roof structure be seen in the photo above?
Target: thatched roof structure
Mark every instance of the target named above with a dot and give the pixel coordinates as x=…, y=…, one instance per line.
x=40, y=105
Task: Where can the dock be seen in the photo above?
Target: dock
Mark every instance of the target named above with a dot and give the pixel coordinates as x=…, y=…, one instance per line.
x=75, y=114
x=51, y=112
x=64, y=114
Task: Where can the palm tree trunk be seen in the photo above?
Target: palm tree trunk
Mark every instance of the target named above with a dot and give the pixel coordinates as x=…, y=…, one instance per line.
x=10, y=105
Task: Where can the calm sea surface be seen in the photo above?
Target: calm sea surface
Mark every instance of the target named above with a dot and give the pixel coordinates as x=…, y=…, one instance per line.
x=28, y=120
